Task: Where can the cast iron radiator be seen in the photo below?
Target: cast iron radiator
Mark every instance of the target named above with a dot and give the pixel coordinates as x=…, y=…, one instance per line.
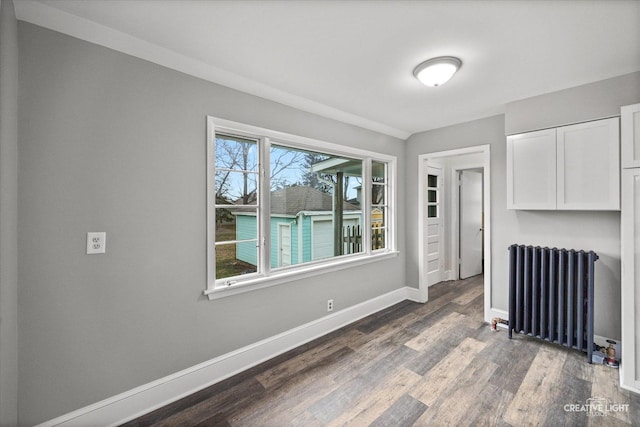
x=551, y=295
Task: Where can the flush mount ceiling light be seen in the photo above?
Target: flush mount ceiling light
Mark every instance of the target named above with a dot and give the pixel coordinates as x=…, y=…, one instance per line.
x=437, y=71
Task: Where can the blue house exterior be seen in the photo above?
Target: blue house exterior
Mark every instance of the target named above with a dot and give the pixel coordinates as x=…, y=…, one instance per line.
x=301, y=227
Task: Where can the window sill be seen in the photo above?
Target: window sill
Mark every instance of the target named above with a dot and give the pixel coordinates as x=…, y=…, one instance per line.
x=303, y=272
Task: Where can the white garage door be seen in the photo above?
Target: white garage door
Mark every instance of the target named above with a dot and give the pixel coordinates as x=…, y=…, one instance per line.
x=322, y=237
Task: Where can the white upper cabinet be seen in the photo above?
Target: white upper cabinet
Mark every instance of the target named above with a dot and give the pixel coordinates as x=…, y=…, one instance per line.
x=589, y=166
x=631, y=136
x=574, y=167
x=531, y=170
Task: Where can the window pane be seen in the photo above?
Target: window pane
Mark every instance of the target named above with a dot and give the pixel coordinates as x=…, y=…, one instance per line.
x=432, y=211
x=378, y=210
x=432, y=196
x=235, y=259
x=378, y=228
x=377, y=217
x=236, y=153
x=432, y=180
x=236, y=188
x=236, y=224
x=236, y=177
x=378, y=238
x=308, y=189
x=379, y=172
x=378, y=187
x=378, y=194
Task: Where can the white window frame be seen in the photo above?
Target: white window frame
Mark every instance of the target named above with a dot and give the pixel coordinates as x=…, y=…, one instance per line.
x=267, y=276
x=386, y=208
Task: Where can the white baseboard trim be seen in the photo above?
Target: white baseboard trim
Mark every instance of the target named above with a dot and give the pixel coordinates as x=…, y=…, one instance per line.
x=449, y=275
x=148, y=397
x=414, y=294
x=622, y=383
x=632, y=389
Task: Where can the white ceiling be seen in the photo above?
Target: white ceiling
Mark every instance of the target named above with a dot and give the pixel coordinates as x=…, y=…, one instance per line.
x=353, y=60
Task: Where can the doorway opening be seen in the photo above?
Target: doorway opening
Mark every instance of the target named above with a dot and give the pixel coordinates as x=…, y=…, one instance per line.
x=469, y=232
x=454, y=218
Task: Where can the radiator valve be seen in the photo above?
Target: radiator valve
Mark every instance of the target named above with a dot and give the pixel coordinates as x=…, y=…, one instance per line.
x=495, y=321
x=610, y=353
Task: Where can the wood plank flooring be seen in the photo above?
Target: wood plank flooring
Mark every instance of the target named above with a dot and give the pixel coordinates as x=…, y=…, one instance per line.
x=433, y=364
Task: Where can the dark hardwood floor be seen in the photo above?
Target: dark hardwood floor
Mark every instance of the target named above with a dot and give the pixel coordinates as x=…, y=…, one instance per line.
x=433, y=364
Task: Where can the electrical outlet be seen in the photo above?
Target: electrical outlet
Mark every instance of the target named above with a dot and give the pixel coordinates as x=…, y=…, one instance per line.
x=330, y=305
x=96, y=243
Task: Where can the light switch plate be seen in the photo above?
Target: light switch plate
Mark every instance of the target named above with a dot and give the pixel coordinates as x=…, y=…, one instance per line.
x=96, y=242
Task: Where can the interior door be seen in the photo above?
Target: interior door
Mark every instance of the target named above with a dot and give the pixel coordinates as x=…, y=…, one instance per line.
x=435, y=226
x=471, y=227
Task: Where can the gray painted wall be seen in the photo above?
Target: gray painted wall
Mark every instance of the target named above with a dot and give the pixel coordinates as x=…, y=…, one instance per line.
x=574, y=105
x=8, y=215
x=112, y=143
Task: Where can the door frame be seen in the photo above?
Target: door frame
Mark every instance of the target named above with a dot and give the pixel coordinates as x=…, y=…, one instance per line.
x=423, y=159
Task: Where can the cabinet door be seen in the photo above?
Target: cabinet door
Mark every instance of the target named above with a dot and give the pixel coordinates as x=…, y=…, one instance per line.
x=630, y=116
x=589, y=166
x=531, y=170
x=630, y=304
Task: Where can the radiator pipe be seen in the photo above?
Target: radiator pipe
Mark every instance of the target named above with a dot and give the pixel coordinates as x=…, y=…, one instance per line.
x=495, y=321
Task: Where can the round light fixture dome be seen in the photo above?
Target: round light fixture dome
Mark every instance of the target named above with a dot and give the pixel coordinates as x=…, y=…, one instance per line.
x=437, y=71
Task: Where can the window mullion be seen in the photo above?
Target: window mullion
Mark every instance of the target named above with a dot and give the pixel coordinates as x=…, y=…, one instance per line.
x=264, y=239
x=367, y=188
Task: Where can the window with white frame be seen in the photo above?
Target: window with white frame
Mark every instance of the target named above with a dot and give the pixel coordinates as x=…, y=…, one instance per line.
x=280, y=204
